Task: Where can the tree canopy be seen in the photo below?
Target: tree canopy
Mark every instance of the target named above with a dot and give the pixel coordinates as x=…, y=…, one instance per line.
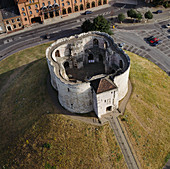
x=121, y=17
x=148, y=15
x=131, y=13
x=138, y=16
x=87, y=26
x=99, y=24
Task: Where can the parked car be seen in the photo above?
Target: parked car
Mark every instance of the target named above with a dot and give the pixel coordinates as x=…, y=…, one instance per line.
x=167, y=25
x=158, y=11
x=121, y=45
x=47, y=36
x=153, y=41
x=87, y=12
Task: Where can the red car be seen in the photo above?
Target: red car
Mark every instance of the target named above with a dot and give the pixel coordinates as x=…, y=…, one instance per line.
x=153, y=41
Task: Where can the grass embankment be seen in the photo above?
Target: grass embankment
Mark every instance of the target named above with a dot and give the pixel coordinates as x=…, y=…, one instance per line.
x=147, y=115
x=33, y=135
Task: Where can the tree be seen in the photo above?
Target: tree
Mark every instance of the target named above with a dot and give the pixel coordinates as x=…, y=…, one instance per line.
x=138, y=16
x=121, y=17
x=131, y=13
x=87, y=26
x=101, y=24
x=148, y=15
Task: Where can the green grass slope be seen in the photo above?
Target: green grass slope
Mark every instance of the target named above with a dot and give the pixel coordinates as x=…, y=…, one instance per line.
x=147, y=115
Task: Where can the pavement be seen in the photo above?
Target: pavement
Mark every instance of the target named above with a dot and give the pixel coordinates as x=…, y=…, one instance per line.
x=53, y=21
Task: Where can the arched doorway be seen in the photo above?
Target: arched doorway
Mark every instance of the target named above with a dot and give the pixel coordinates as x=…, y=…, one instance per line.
x=76, y=8
x=109, y=108
x=56, y=13
x=45, y=15
x=81, y=7
x=104, y=2
x=93, y=4
x=64, y=11
x=69, y=10
x=57, y=53
x=66, y=65
x=99, y=2
x=88, y=5
x=51, y=14
x=95, y=42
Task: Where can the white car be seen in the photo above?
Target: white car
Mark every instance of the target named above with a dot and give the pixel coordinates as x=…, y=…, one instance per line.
x=167, y=25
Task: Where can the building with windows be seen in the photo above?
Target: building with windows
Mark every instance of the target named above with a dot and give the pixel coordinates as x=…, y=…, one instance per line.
x=38, y=10
x=89, y=71
x=11, y=19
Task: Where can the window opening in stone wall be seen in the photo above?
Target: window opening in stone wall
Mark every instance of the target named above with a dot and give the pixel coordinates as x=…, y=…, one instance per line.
x=81, y=7
x=68, y=3
x=99, y=2
x=12, y=20
x=121, y=64
x=109, y=108
x=69, y=51
x=64, y=11
x=9, y=28
x=76, y=8
x=104, y=2
x=91, y=58
x=25, y=19
x=57, y=53
x=71, y=105
x=7, y=22
x=95, y=42
x=88, y=5
x=93, y=4
x=68, y=89
x=66, y=65
x=105, y=45
x=14, y=26
x=69, y=10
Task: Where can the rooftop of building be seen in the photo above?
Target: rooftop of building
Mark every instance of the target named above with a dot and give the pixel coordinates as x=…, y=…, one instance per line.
x=102, y=85
x=10, y=12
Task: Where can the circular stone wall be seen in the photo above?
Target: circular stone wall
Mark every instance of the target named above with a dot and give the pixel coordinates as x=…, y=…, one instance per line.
x=68, y=57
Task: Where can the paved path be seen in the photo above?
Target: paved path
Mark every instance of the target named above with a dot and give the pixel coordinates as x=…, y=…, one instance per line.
x=123, y=143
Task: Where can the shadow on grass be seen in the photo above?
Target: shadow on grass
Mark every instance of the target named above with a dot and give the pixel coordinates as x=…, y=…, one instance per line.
x=26, y=95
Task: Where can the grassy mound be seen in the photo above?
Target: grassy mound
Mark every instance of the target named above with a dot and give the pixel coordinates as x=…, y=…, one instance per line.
x=33, y=134
x=147, y=115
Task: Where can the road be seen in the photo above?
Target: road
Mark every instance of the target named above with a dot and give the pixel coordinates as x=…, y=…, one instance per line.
x=133, y=36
